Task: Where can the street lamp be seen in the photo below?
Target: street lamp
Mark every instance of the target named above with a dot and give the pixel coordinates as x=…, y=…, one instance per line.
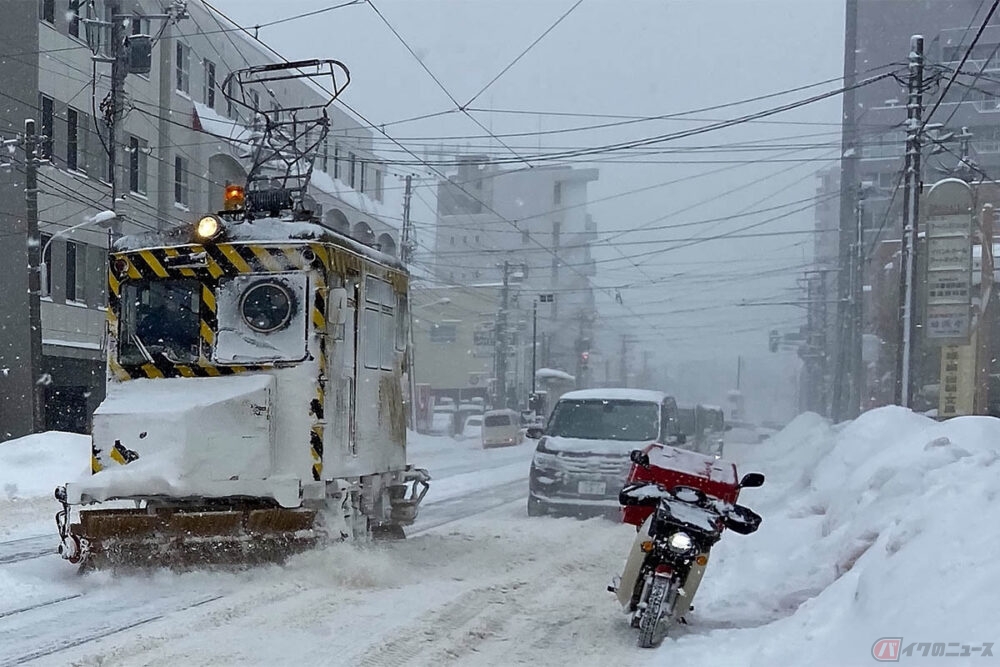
x=104, y=220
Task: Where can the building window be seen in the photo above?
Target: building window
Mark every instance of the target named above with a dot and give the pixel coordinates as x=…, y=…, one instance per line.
x=46, y=106
x=72, y=148
x=525, y=237
x=326, y=154
x=183, y=68
x=74, y=17
x=465, y=240
x=230, y=107
x=336, y=160
x=181, y=192
x=48, y=11
x=444, y=332
x=361, y=185
x=477, y=238
x=557, y=193
x=453, y=240
x=137, y=164
x=378, y=184
x=353, y=168
x=46, y=247
x=209, y=92
x=75, y=262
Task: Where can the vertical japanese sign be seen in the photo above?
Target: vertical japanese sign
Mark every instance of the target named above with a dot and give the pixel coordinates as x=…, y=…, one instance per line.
x=958, y=388
x=949, y=223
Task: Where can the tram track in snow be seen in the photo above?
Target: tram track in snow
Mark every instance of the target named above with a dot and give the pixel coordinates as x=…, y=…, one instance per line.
x=26, y=635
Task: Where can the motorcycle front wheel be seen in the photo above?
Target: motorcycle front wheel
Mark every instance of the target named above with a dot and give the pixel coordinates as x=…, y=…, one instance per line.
x=651, y=629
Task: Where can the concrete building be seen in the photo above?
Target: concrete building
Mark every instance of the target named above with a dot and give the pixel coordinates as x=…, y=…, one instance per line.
x=536, y=219
x=181, y=141
x=878, y=39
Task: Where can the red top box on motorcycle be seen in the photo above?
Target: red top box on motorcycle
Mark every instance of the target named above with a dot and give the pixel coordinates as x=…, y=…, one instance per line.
x=671, y=467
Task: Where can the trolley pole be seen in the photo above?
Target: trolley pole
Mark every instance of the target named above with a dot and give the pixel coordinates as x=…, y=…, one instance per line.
x=911, y=211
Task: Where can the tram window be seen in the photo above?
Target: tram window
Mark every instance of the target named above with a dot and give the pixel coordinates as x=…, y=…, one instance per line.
x=371, y=338
x=160, y=320
x=380, y=327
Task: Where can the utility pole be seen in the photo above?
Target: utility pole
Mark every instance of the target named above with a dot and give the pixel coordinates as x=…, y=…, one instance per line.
x=500, y=364
x=31, y=161
x=119, y=68
x=911, y=212
x=625, y=360
x=850, y=152
x=857, y=313
x=534, y=343
x=406, y=243
x=985, y=359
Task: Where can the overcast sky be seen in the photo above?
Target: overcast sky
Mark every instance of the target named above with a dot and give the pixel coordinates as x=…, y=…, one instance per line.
x=625, y=58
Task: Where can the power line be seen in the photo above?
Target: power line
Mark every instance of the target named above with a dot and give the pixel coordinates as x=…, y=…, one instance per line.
x=965, y=57
x=522, y=54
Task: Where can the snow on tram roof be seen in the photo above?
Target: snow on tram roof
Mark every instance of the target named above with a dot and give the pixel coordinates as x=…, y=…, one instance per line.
x=614, y=394
x=259, y=230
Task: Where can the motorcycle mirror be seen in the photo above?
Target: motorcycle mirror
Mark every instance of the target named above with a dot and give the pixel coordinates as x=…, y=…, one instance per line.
x=639, y=457
x=743, y=520
x=751, y=479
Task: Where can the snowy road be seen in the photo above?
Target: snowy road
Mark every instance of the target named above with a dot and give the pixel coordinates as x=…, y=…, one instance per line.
x=871, y=529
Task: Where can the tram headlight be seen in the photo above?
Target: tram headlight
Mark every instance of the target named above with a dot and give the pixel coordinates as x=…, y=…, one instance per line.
x=680, y=542
x=267, y=306
x=208, y=228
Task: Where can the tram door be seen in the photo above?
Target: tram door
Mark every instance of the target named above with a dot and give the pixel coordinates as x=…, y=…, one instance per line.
x=344, y=302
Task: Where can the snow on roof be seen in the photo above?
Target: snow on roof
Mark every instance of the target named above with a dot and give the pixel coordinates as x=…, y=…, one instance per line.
x=323, y=182
x=260, y=230
x=615, y=394
x=224, y=128
x=554, y=374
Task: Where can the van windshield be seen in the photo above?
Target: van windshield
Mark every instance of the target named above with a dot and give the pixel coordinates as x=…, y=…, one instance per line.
x=605, y=420
x=497, y=420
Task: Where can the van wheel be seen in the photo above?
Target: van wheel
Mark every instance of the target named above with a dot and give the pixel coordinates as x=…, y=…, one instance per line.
x=535, y=507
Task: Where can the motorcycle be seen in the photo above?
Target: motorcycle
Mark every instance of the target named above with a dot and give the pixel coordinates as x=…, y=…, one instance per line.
x=682, y=522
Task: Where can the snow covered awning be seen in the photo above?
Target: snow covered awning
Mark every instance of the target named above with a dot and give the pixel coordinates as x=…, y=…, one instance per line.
x=553, y=374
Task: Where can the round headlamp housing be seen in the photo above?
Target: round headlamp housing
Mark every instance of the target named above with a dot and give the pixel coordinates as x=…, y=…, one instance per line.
x=267, y=306
x=680, y=542
x=208, y=228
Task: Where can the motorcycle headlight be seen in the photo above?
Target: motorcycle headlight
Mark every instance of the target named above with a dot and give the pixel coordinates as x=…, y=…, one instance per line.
x=680, y=542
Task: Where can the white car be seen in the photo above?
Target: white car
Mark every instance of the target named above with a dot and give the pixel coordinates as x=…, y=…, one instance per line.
x=473, y=427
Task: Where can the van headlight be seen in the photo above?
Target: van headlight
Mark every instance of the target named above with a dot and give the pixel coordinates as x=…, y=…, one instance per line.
x=680, y=542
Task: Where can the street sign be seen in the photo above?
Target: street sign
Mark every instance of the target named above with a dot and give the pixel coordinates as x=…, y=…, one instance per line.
x=948, y=281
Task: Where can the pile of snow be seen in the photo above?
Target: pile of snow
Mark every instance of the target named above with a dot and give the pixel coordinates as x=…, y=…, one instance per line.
x=880, y=527
x=34, y=465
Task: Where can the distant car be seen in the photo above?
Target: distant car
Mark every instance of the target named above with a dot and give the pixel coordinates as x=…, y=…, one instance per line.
x=745, y=432
x=472, y=428
x=502, y=428
x=442, y=420
x=581, y=462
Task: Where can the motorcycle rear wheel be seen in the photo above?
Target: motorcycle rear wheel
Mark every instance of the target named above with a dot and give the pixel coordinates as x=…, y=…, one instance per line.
x=651, y=630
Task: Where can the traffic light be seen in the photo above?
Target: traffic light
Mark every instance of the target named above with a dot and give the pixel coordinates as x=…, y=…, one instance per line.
x=774, y=340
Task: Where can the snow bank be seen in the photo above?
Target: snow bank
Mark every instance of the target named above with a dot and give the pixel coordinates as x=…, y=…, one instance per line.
x=881, y=527
x=34, y=465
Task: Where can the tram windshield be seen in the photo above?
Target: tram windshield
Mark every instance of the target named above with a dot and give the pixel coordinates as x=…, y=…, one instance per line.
x=160, y=320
